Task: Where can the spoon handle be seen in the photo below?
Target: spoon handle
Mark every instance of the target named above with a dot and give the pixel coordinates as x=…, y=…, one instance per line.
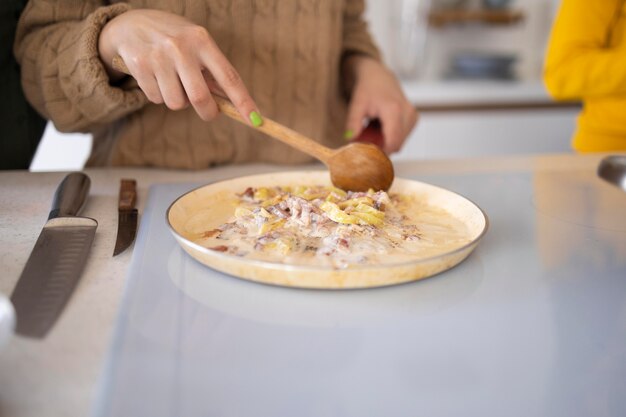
x=269, y=127
x=276, y=130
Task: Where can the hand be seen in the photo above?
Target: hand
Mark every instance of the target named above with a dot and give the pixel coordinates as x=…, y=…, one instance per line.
x=376, y=94
x=168, y=56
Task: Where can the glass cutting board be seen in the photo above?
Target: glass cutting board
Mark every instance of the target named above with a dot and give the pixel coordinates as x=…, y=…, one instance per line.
x=492, y=336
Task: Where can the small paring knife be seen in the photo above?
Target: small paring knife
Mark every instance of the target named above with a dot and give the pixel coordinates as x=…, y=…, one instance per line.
x=127, y=216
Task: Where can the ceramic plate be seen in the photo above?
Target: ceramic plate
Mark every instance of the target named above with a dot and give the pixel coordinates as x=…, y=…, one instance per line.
x=207, y=207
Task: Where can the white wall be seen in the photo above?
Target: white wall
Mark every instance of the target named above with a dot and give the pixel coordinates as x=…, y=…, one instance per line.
x=61, y=151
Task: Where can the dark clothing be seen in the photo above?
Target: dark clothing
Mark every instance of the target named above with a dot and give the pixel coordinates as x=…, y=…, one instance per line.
x=20, y=126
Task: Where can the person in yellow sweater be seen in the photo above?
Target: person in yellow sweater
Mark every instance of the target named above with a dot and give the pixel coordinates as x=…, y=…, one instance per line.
x=294, y=61
x=586, y=59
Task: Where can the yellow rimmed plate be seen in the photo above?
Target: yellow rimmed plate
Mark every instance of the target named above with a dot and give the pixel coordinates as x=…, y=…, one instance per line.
x=209, y=206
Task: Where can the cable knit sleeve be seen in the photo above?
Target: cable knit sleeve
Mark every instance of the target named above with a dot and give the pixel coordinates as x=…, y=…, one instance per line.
x=62, y=75
x=356, y=38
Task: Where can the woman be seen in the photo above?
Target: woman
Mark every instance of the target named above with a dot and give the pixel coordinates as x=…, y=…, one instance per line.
x=297, y=59
x=586, y=60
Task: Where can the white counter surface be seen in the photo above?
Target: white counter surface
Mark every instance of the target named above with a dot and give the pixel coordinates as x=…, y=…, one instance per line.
x=458, y=92
x=58, y=376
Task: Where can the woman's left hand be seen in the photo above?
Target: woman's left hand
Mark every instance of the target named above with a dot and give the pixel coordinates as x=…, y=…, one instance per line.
x=376, y=94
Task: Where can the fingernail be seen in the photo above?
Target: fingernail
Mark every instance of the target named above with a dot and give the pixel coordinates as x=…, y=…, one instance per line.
x=256, y=119
x=348, y=134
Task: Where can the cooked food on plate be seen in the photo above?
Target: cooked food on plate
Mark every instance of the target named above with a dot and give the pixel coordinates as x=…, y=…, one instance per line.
x=326, y=226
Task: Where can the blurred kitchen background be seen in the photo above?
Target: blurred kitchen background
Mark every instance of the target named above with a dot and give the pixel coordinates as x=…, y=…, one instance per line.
x=472, y=68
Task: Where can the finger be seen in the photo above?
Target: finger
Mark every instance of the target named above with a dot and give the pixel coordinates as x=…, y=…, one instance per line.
x=357, y=114
x=145, y=78
x=413, y=118
x=150, y=87
x=214, y=87
x=391, y=119
x=171, y=88
x=196, y=89
x=230, y=81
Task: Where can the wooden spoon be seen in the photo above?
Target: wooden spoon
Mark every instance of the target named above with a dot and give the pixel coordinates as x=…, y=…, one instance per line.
x=354, y=167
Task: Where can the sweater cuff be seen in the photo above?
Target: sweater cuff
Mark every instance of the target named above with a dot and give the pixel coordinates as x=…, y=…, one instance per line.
x=83, y=77
x=360, y=44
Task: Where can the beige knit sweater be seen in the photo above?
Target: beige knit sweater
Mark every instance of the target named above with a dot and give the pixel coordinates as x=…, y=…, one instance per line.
x=288, y=53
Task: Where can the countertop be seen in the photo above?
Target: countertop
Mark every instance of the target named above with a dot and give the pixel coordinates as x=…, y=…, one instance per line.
x=474, y=91
x=58, y=376
x=480, y=95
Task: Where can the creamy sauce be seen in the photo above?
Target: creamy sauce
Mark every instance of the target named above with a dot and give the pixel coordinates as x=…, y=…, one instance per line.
x=321, y=226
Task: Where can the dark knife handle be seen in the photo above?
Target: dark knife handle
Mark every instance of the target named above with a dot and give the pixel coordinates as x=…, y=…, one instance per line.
x=70, y=195
x=128, y=194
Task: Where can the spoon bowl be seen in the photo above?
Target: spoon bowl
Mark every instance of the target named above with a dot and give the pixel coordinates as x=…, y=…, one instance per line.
x=359, y=167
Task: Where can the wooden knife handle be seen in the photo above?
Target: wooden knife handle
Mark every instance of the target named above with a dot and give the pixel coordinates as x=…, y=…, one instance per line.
x=128, y=194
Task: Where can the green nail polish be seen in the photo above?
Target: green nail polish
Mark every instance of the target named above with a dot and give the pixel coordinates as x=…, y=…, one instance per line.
x=348, y=134
x=256, y=119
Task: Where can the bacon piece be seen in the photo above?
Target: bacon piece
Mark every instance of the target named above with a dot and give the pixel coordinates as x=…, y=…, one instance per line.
x=211, y=233
x=248, y=194
x=278, y=211
x=343, y=243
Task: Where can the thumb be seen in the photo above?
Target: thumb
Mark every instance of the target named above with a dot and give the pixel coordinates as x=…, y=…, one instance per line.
x=357, y=114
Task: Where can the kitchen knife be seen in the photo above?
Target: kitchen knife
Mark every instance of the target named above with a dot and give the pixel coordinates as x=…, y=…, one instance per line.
x=127, y=216
x=57, y=260
x=613, y=169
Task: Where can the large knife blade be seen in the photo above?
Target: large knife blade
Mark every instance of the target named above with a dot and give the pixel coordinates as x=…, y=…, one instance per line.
x=127, y=216
x=57, y=260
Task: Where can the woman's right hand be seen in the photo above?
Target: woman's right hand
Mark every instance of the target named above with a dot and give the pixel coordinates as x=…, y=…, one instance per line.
x=168, y=56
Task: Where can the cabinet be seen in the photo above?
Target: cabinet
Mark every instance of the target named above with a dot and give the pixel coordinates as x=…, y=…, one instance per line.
x=474, y=119
x=451, y=135
x=443, y=17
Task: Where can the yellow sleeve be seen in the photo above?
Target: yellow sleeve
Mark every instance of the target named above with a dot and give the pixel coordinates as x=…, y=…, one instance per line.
x=580, y=63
